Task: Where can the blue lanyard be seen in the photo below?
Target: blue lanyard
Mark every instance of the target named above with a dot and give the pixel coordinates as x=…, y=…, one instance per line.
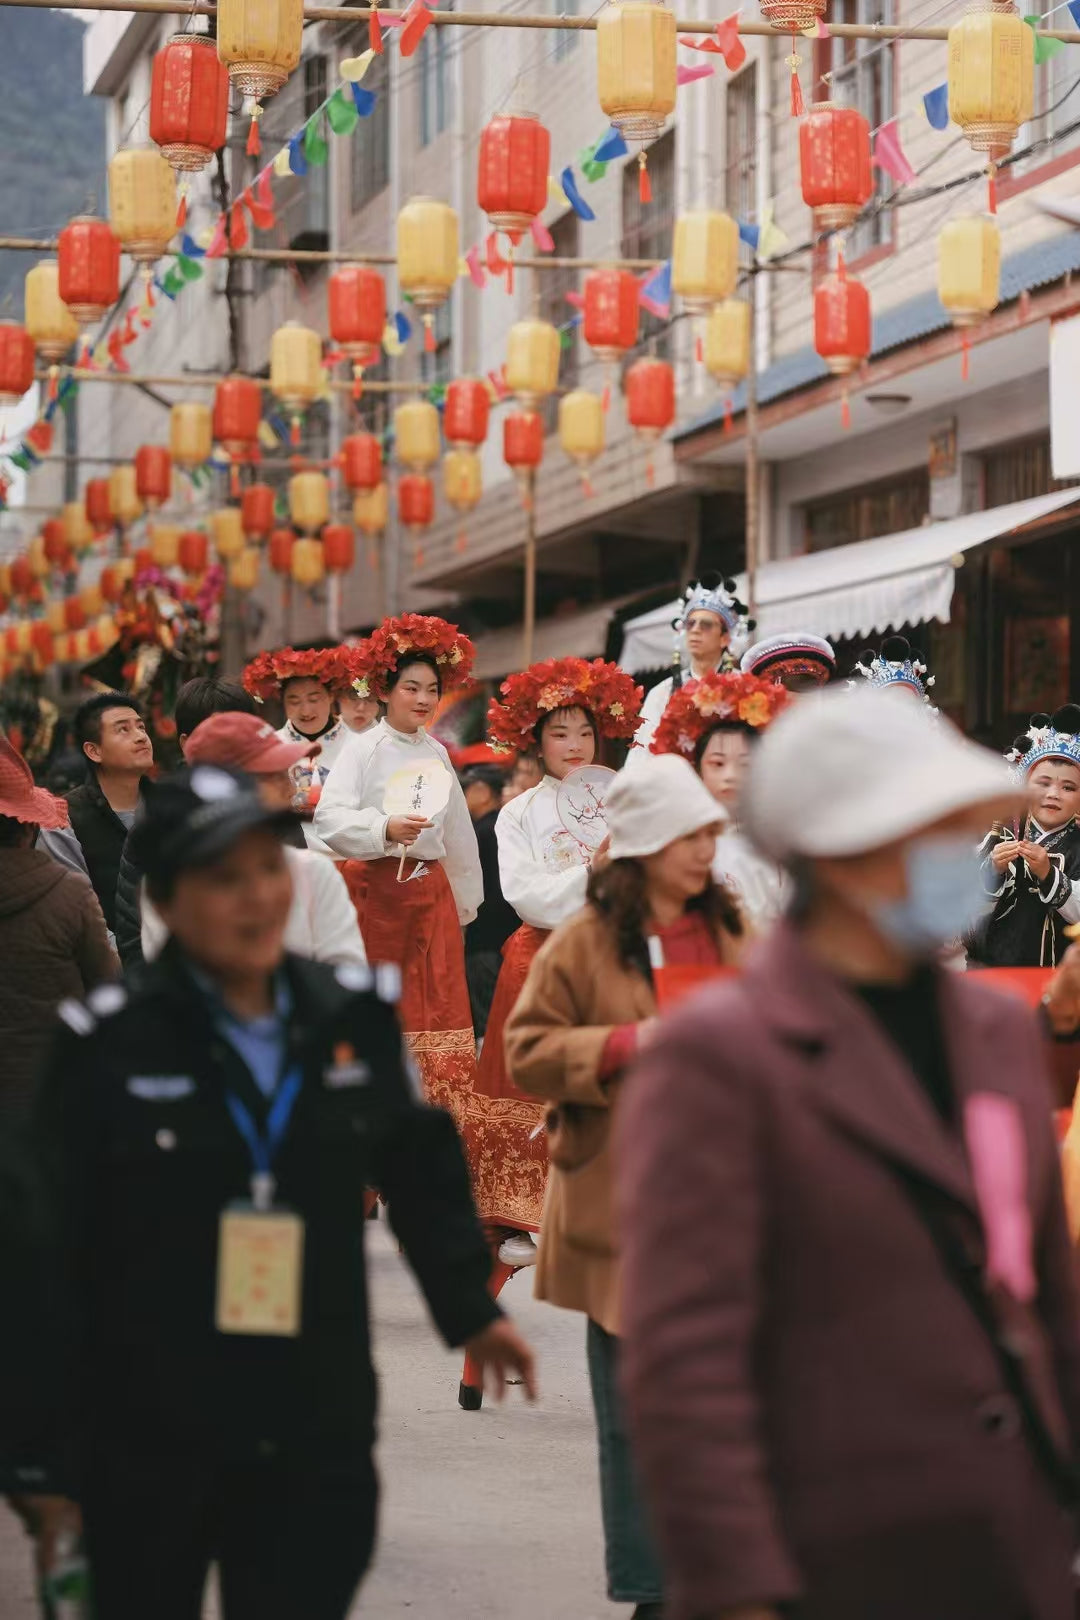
x=263, y=1146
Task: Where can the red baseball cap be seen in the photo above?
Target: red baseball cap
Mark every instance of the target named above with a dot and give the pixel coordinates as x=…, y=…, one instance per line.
x=245, y=742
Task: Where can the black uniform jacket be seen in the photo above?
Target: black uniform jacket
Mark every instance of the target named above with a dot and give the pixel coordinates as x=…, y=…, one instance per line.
x=141, y=1156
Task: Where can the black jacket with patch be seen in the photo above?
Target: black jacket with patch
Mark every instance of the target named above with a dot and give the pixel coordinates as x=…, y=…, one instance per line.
x=141, y=1156
x=101, y=836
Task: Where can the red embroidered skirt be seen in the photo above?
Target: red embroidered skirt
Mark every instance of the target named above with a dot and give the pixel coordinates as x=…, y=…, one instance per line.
x=415, y=925
x=507, y=1162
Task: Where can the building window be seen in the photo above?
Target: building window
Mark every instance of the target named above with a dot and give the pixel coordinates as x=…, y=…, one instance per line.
x=861, y=73
x=554, y=286
x=373, y=410
x=434, y=84
x=566, y=39
x=369, y=169
x=740, y=145
x=647, y=227
x=889, y=507
x=1018, y=472
x=436, y=364
x=302, y=203
x=1056, y=108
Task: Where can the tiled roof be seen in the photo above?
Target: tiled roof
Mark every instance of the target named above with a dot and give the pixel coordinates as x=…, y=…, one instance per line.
x=1036, y=266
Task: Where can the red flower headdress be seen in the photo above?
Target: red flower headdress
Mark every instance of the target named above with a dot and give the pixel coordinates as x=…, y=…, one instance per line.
x=607, y=692
x=382, y=652
x=265, y=676
x=696, y=707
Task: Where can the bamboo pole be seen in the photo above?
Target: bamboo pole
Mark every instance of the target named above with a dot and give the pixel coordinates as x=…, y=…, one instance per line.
x=28, y=244
x=201, y=379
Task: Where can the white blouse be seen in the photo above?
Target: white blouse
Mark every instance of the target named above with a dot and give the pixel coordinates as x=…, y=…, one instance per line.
x=543, y=870
x=307, y=772
x=350, y=817
x=761, y=887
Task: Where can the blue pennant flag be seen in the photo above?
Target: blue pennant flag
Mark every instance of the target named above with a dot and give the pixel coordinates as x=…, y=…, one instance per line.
x=1074, y=11
x=936, y=103
x=750, y=234
x=655, y=294
x=364, y=100
x=612, y=145
x=191, y=248
x=297, y=160
x=573, y=195
x=403, y=327
x=280, y=427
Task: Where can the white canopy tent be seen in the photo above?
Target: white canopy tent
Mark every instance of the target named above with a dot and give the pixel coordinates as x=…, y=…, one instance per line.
x=856, y=590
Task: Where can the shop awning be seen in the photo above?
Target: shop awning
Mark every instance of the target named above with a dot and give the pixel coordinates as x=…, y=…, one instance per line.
x=857, y=590
x=571, y=635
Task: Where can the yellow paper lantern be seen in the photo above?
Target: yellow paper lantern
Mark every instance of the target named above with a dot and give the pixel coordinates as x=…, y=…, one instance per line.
x=54, y=616
x=165, y=544
x=191, y=433
x=40, y=566
x=969, y=268
x=427, y=256
x=5, y=580
x=51, y=325
x=80, y=647
x=991, y=77
x=727, y=343
x=61, y=649
x=581, y=426
x=260, y=41
x=227, y=532
x=416, y=435
x=371, y=509
x=23, y=637
x=78, y=530
x=296, y=369
x=309, y=502
x=91, y=600
x=532, y=361
x=244, y=569
x=636, y=69
x=142, y=202
x=306, y=563
x=704, y=258
x=108, y=634
x=124, y=569
x=124, y=502
x=463, y=481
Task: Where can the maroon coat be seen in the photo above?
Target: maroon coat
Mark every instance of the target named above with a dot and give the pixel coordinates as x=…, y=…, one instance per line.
x=820, y=1417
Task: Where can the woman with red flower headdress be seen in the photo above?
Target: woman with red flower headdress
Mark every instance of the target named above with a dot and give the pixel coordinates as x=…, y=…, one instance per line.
x=560, y=708
x=415, y=879
x=306, y=683
x=713, y=723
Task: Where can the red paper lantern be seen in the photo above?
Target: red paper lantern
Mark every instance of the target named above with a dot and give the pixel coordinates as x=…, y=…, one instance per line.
x=610, y=317
x=11, y=640
x=523, y=440
x=339, y=548
x=357, y=300
x=55, y=543
x=111, y=584
x=189, y=101
x=22, y=575
x=153, y=474
x=512, y=173
x=280, y=550
x=842, y=323
x=237, y=414
x=16, y=362
x=465, y=413
x=41, y=641
x=89, y=256
x=98, y=505
x=834, y=161
x=257, y=511
x=192, y=551
x=361, y=461
x=650, y=397
x=415, y=500
x=74, y=614
x=144, y=561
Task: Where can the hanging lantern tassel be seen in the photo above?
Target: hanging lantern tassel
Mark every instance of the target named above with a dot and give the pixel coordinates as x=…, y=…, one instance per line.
x=991, y=188
x=587, y=485
x=294, y=432
x=699, y=348
x=650, y=472
x=510, y=264
x=54, y=372
x=375, y=31
x=644, y=183
x=234, y=480
x=182, y=205
x=965, y=354
x=254, y=141
x=845, y=409
x=429, y=333
x=373, y=557
x=357, y=382
x=729, y=419
x=462, y=541
x=418, y=556
x=794, y=62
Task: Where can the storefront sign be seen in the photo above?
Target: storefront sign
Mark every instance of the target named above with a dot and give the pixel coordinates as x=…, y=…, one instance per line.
x=1065, y=398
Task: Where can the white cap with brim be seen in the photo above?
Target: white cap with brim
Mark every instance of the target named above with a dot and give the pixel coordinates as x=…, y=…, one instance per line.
x=844, y=771
x=655, y=799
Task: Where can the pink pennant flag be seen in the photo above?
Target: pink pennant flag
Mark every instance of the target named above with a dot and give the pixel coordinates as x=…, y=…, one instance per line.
x=576, y=300
x=822, y=30
x=689, y=75
x=693, y=44
x=889, y=154
x=543, y=241
x=217, y=242
x=731, y=46
x=476, y=269
x=261, y=189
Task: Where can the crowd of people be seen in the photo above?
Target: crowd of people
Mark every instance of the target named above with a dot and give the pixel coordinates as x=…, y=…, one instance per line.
x=686, y=1001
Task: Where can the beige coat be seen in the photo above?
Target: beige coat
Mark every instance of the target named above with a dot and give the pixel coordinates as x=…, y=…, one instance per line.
x=577, y=992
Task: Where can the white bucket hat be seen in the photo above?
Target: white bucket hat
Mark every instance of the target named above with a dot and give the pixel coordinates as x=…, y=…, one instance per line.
x=844, y=771
x=655, y=799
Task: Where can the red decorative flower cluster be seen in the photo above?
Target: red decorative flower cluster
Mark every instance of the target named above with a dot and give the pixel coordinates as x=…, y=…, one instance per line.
x=382, y=652
x=265, y=675
x=606, y=691
x=698, y=706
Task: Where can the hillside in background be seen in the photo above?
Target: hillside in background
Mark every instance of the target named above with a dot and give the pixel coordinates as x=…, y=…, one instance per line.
x=52, y=138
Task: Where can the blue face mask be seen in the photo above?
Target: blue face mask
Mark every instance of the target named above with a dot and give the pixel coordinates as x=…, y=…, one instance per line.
x=945, y=896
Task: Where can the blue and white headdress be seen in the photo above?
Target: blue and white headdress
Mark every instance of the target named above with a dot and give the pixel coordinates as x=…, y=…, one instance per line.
x=711, y=594
x=1054, y=736
x=897, y=664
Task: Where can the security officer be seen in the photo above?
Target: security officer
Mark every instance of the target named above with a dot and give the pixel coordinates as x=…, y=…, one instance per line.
x=207, y=1136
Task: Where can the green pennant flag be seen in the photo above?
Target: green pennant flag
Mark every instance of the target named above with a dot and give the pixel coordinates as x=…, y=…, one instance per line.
x=190, y=269
x=172, y=283
x=564, y=338
x=315, y=148
x=1044, y=48
x=341, y=113
x=21, y=460
x=590, y=167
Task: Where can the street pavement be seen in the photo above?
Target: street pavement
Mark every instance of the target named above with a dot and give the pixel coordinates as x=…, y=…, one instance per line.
x=490, y=1515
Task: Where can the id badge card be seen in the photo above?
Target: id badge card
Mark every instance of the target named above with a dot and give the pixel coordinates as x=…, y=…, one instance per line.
x=260, y=1271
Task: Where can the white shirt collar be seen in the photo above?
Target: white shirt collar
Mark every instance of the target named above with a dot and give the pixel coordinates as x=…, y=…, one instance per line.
x=410, y=738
